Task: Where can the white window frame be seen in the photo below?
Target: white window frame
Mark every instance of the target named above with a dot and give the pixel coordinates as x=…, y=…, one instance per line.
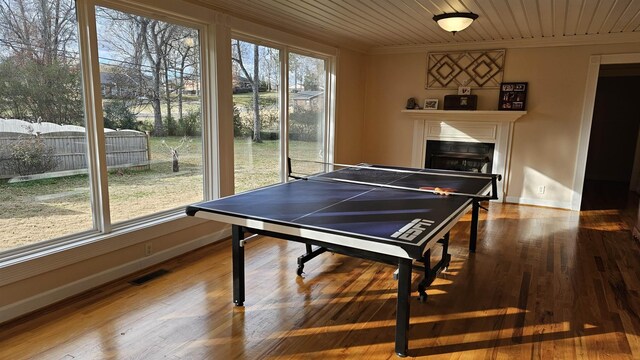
x=329, y=101
x=209, y=132
x=31, y=260
x=330, y=85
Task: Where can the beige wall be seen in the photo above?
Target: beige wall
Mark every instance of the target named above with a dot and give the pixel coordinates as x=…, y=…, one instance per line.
x=64, y=276
x=545, y=141
x=350, y=107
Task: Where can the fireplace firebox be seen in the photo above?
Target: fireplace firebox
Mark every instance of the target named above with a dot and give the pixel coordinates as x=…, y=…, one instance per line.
x=457, y=155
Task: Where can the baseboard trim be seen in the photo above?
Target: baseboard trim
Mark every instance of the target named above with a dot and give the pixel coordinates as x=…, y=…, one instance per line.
x=539, y=202
x=25, y=306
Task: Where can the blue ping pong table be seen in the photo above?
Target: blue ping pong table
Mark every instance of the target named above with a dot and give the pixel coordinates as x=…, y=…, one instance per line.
x=387, y=214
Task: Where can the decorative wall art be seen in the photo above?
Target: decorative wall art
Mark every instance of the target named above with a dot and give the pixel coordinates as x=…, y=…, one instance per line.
x=474, y=69
x=513, y=96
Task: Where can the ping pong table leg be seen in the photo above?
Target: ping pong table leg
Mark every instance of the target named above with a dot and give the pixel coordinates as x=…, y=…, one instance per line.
x=428, y=278
x=402, y=311
x=238, y=264
x=310, y=254
x=473, y=232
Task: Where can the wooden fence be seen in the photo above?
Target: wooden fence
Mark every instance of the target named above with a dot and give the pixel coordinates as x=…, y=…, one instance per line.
x=124, y=149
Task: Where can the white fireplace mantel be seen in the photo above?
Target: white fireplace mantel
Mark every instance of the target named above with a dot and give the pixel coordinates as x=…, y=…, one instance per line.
x=486, y=126
x=466, y=115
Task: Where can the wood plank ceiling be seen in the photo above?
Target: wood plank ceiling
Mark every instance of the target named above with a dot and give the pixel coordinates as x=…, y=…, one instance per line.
x=370, y=24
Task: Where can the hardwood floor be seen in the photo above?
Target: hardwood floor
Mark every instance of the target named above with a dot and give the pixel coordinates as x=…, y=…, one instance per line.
x=544, y=284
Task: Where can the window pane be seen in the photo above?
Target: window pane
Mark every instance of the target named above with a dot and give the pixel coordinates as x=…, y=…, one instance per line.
x=307, y=77
x=149, y=74
x=44, y=187
x=256, y=115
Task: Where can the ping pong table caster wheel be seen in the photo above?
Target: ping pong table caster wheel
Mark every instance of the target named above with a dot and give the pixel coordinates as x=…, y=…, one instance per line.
x=422, y=293
x=422, y=297
x=299, y=271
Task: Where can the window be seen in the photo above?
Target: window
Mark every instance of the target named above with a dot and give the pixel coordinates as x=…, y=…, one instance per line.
x=307, y=114
x=256, y=115
x=79, y=158
x=44, y=186
x=149, y=127
x=258, y=131
x=151, y=110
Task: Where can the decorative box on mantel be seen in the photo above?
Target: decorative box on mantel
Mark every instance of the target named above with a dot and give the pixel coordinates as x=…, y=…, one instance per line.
x=478, y=126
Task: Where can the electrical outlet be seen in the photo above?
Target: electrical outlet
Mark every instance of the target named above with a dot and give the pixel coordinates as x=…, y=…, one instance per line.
x=541, y=189
x=148, y=249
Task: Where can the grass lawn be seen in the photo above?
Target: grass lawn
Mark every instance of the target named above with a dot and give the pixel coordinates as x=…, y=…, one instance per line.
x=39, y=210
x=144, y=112
x=192, y=103
x=244, y=102
x=246, y=99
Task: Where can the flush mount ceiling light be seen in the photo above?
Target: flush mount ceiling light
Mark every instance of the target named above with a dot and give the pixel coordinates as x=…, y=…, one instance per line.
x=455, y=22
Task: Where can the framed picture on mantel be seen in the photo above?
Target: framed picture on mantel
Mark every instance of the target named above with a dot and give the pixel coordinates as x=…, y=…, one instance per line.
x=430, y=104
x=513, y=96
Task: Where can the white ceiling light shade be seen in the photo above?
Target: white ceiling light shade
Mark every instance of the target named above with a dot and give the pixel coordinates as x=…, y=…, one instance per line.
x=455, y=22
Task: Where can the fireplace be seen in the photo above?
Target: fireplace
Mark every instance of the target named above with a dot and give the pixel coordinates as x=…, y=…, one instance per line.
x=459, y=155
x=484, y=127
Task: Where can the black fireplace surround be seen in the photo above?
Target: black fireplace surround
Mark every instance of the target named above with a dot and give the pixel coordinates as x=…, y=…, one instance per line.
x=462, y=156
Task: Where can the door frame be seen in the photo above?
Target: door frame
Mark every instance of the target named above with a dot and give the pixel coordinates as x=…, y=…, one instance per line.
x=587, y=117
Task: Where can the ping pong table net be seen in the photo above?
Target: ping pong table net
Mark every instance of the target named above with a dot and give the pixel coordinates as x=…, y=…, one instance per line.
x=422, y=180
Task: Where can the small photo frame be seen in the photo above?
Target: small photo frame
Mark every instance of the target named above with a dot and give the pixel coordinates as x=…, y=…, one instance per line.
x=464, y=90
x=430, y=104
x=513, y=96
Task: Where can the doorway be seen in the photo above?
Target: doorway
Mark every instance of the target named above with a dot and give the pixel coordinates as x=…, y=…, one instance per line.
x=613, y=159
